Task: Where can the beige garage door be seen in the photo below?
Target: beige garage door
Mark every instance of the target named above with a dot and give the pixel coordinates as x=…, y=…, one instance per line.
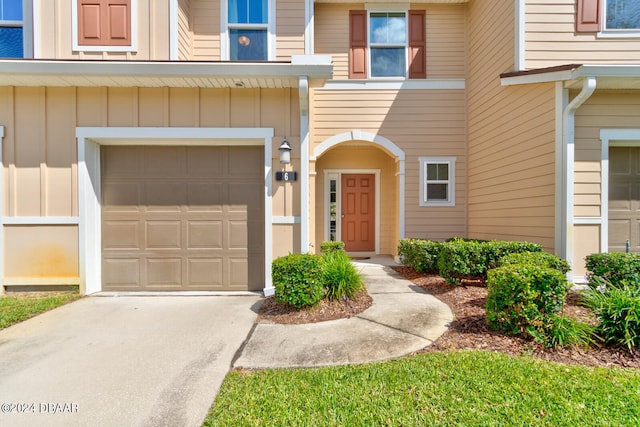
x=624, y=198
x=182, y=218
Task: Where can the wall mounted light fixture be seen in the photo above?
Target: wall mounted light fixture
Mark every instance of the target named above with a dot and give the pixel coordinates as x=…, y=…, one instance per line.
x=285, y=152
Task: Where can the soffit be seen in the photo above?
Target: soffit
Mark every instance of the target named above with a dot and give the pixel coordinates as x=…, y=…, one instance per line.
x=159, y=74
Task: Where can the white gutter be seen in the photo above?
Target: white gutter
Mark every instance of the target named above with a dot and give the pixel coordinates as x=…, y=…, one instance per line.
x=568, y=154
x=303, y=94
x=309, y=27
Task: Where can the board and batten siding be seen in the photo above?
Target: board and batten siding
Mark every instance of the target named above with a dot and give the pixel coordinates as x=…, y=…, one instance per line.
x=151, y=28
x=421, y=123
x=511, y=137
x=550, y=39
x=40, y=169
x=445, y=38
x=603, y=110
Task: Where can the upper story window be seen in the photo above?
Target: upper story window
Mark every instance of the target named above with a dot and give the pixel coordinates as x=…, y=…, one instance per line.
x=608, y=18
x=248, y=30
x=11, y=29
x=104, y=25
x=392, y=47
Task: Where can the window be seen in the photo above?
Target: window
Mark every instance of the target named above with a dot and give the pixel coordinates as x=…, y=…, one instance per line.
x=393, y=46
x=437, y=181
x=248, y=29
x=11, y=29
x=622, y=15
x=609, y=17
x=100, y=25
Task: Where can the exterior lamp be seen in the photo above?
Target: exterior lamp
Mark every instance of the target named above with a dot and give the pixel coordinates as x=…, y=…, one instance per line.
x=285, y=152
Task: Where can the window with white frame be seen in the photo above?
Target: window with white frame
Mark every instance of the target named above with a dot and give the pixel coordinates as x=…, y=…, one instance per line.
x=621, y=15
x=388, y=44
x=437, y=181
x=248, y=30
x=11, y=29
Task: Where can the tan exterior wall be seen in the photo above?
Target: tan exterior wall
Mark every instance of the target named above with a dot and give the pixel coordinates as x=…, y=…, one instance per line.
x=152, y=29
x=445, y=32
x=289, y=29
x=40, y=149
x=185, y=35
x=421, y=123
x=205, y=25
x=511, y=138
x=551, y=39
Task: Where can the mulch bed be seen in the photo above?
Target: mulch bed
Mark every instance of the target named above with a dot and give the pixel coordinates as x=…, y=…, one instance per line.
x=469, y=328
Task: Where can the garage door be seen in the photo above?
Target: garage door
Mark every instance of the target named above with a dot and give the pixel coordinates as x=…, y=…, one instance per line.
x=624, y=198
x=182, y=218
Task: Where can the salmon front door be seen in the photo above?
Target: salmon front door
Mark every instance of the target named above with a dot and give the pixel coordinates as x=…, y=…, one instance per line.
x=358, y=212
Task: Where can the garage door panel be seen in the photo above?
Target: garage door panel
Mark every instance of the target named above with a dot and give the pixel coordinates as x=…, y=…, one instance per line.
x=205, y=235
x=121, y=234
x=122, y=162
x=185, y=221
x=121, y=196
x=164, y=272
x=120, y=274
x=206, y=273
x=163, y=235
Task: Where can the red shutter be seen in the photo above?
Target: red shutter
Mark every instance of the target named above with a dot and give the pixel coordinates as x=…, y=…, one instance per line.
x=588, y=16
x=357, y=44
x=104, y=22
x=417, y=45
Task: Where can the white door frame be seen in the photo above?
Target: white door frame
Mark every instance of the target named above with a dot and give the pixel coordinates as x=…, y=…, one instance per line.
x=89, y=183
x=327, y=213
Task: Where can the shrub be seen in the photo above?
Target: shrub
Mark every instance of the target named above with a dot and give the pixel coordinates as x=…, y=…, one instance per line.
x=524, y=299
x=614, y=268
x=340, y=277
x=559, y=330
x=460, y=259
x=419, y=254
x=298, y=279
x=618, y=311
x=331, y=246
x=542, y=259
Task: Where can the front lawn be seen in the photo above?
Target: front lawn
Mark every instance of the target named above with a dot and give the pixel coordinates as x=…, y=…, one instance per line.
x=465, y=388
x=18, y=307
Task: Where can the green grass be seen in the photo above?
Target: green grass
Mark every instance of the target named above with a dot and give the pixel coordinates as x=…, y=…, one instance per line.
x=19, y=307
x=460, y=388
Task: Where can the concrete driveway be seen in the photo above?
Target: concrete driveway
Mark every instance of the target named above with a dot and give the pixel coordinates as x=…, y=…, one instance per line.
x=121, y=361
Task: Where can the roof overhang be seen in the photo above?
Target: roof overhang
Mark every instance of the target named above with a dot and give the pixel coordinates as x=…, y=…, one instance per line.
x=26, y=72
x=608, y=76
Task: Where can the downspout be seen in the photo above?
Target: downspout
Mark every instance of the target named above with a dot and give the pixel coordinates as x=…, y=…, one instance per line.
x=173, y=30
x=303, y=94
x=568, y=154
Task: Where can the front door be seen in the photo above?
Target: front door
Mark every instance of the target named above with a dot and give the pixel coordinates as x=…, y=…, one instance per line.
x=358, y=212
x=624, y=199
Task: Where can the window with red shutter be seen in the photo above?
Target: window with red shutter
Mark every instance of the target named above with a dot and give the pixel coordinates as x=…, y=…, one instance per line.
x=417, y=45
x=104, y=22
x=588, y=16
x=358, y=44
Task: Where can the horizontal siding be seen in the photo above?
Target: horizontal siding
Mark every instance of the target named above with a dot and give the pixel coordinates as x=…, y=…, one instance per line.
x=511, y=137
x=185, y=37
x=614, y=109
x=551, y=39
x=445, y=32
x=421, y=123
x=205, y=21
x=289, y=29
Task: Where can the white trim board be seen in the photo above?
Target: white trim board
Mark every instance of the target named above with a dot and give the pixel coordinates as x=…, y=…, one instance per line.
x=89, y=228
x=1, y=210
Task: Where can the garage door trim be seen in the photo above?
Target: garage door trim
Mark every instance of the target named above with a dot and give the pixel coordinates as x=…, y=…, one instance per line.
x=89, y=182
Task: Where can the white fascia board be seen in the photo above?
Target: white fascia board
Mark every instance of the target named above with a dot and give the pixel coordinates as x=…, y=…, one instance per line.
x=164, y=69
x=574, y=74
x=608, y=71
x=538, y=78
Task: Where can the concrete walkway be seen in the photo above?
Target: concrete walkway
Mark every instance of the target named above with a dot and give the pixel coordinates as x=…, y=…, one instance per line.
x=402, y=320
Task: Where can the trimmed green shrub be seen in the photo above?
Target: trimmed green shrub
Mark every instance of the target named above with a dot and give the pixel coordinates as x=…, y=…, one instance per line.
x=340, y=277
x=523, y=300
x=542, y=259
x=460, y=259
x=331, y=246
x=297, y=279
x=419, y=254
x=618, y=311
x=615, y=268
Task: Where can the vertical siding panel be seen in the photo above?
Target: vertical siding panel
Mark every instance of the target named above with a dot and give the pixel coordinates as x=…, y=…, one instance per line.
x=153, y=107
x=92, y=106
x=214, y=107
x=243, y=108
x=183, y=107
x=30, y=153
x=61, y=151
x=122, y=106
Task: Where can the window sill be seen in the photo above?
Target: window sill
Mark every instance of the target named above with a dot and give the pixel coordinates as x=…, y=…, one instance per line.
x=132, y=49
x=396, y=84
x=621, y=34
